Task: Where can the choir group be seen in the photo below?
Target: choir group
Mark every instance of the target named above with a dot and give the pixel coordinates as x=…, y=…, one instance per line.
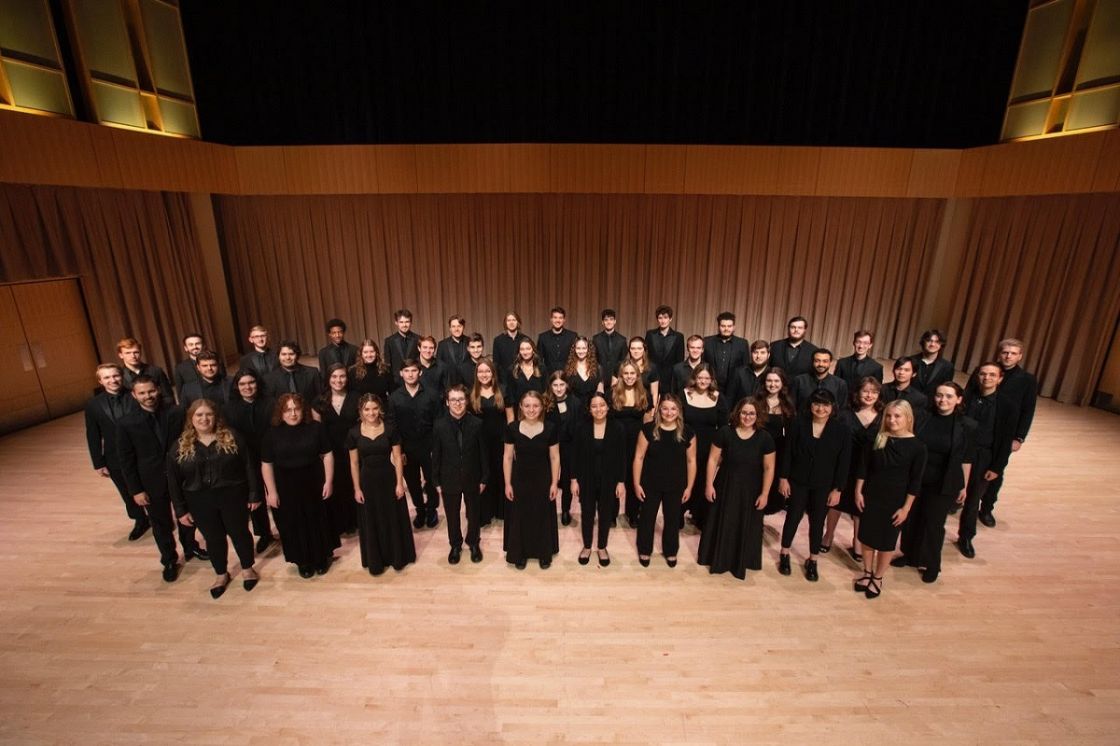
x=715, y=430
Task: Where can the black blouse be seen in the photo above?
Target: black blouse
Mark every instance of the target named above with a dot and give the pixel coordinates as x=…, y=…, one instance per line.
x=209, y=468
x=295, y=446
x=665, y=467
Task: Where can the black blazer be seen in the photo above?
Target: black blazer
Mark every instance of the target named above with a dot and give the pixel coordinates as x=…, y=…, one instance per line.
x=803, y=363
x=397, y=349
x=261, y=363
x=163, y=383
x=217, y=391
x=806, y=383
x=143, y=451
x=309, y=384
x=961, y=452
x=821, y=463
x=853, y=371
x=101, y=428
x=611, y=350
x=553, y=349
x=744, y=383
x=458, y=470
x=615, y=468
x=251, y=421
x=505, y=353
x=665, y=350
x=329, y=354
x=451, y=353
x=928, y=377
x=733, y=352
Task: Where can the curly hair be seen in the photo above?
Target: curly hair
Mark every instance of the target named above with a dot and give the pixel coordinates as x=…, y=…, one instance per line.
x=592, y=360
x=189, y=436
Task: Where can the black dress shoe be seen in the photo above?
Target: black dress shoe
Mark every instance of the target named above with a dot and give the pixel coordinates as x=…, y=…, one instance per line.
x=433, y=519
x=783, y=564
x=418, y=521
x=900, y=561
x=264, y=543
x=521, y=564
x=139, y=529
x=170, y=572
x=644, y=562
x=671, y=561
x=250, y=583
x=811, y=571
x=476, y=553
x=219, y=588
x=546, y=562
x=306, y=571
x=988, y=519
x=454, y=555
x=198, y=552
x=566, y=518
x=585, y=558
x=965, y=547
x=375, y=571
x=604, y=561
x=929, y=576
x=322, y=569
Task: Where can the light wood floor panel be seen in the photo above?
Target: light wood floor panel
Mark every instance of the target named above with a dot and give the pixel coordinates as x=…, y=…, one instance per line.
x=1021, y=644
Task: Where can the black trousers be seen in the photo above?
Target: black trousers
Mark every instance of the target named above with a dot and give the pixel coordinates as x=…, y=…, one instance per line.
x=452, y=502
x=988, y=500
x=417, y=459
x=134, y=511
x=977, y=493
x=565, y=479
x=222, y=513
x=259, y=519
x=698, y=505
x=923, y=534
x=670, y=504
x=802, y=499
x=595, y=498
x=163, y=521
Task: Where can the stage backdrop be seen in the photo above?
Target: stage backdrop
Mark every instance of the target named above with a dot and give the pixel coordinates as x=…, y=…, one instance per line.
x=845, y=263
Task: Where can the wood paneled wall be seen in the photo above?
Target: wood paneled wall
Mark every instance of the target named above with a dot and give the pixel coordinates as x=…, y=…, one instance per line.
x=43, y=150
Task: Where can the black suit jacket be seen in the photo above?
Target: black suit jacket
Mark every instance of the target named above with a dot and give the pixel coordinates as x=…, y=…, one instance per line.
x=217, y=391
x=806, y=383
x=553, y=349
x=331, y=354
x=725, y=356
x=251, y=420
x=819, y=464
x=853, y=371
x=101, y=428
x=261, y=363
x=802, y=362
x=611, y=350
x=961, y=451
x=308, y=382
x=163, y=383
x=928, y=377
x=143, y=450
x=397, y=349
x=451, y=353
x=665, y=350
x=457, y=470
x=1021, y=388
x=744, y=382
x=615, y=468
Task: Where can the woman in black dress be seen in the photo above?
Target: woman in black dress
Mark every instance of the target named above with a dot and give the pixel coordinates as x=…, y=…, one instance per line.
x=526, y=375
x=214, y=484
x=370, y=374
x=337, y=409
x=774, y=400
x=598, y=474
x=705, y=411
x=630, y=407
x=565, y=412
x=582, y=370
x=888, y=482
x=948, y=437
x=487, y=403
x=862, y=420
x=639, y=356
x=385, y=534
x=297, y=463
x=664, y=470
x=531, y=464
x=814, y=470
x=739, y=472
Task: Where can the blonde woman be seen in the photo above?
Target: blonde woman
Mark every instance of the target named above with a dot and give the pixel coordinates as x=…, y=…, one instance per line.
x=664, y=471
x=888, y=481
x=531, y=464
x=213, y=485
x=630, y=407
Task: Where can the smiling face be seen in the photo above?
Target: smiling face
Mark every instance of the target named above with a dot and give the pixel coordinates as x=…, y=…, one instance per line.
x=192, y=346
x=512, y=324
x=748, y=416
x=457, y=403
x=946, y=399
x=868, y=395
x=203, y=420
x=369, y=354
x=772, y=383
x=531, y=408
x=695, y=350
x=821, y=411
x=862, y=345
x=336, y=334
x=146, y=395
x=703, y=381
x=932, y=346
x=581, y=349
x=474, y=349
x=371, y=413
x=287, y=357
x=663, y=321
x=457, y=327
x=525, y=352
x=557, y=319
x=895, y=421
x=669, y=411
x=338, y=381
x=821, y=363
x=484, y=374
x=598, y=409
x=629, y=375
x=559, y=388
x=292, y=414
x=404, y=324
x=427, y=350
x=760, y=357
x=110, y=380
x=247, y=387
x=988, y=378
x=609, y=323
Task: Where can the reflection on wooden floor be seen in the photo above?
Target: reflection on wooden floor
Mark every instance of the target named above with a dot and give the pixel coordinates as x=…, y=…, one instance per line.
x=1022, y=643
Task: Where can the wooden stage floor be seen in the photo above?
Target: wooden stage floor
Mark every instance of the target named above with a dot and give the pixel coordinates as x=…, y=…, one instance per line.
x=1020, y=644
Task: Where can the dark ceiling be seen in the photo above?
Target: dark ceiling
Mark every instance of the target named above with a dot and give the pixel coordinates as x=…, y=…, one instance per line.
x=906, y=73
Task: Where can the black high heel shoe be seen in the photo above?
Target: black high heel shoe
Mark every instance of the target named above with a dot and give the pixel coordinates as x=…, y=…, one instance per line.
x=860, y=586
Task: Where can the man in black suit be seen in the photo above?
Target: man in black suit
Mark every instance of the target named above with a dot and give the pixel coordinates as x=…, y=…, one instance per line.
x=464, y=371
x=931, y=369
x=293, y=377
x=859, y=364
x=554, y=344
x=185, y=371
x=260, y=359
x=452, y=349
x=682, y=372
x=748, y=379
x=505, y=346
x=610, y=347
x=902, y=387
x=249, y=412
x=337, y=350
x=460, y=470
x=1020, y=388
x=806, y=383
x=103, y=412
x=434, y=375
x=131, y=354
x=415, y=409
x=724, y=351
x=144, y=438
x=664, y=344
x=401, y=345
x=794, y=354
x=210, y=383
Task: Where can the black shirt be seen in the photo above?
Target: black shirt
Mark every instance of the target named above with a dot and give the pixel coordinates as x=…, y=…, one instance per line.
x=505, y=353
x=345, y=354
x=216, y=391
x=794, y=360
x=611, y=350
x=208, y=468
x=725, y=354
x=665, y=467
x=151, y=371
x=414, y=415
x=665, y=350
x=261, y=363
x=853, y=370
x=553, y=348
x=806, y=383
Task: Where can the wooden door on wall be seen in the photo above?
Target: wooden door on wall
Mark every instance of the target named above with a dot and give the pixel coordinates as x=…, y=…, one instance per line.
x=47, y=356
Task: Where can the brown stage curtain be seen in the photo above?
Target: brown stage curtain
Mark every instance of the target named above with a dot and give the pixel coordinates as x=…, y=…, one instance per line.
x=1045, y=270
x=135, y=252
x=845, y=263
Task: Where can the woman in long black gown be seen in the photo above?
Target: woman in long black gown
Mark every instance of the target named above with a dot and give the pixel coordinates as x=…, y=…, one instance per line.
x=526, y=375
x=531, y=463
x=370, y=374
x=565, y=411
x=487, y=403
x=888, y=482
x=630, y=407
x=705, y=411
x=862, y=420
x=739, y=471
x=385, y=533
x=582, y=372
x=774, y=400
x=297, y=464
x=337, y=409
